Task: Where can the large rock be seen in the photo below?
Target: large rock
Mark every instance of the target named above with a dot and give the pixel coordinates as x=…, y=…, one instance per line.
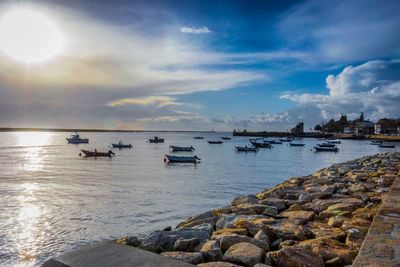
x=300, y=217
x=262, y=236
x=329, y=249
x=289, y=231
x=230, y=220
x=244, y=253
x=189, y=257
x=197, y=217
x=185, y=244
x=211, y=251
x=295, y=257
x=227, y=241
x=346, y=206
x=160, y=241
x=319, y=229
x=279, y=204
x=218, y=264
x=249, y=199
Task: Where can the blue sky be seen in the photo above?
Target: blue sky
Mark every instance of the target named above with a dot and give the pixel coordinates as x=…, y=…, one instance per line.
x=197, y=65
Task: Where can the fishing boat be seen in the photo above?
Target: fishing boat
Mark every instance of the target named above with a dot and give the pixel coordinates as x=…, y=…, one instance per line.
x=198, y=137
x=333, y=141
x=75, y=139
x=121, y=145
x=225, y=138
x=215, y=142
x=296, y=144
x=181, y=159
x=326, y=149
x=275, y=142
x=246, y=149
x=258, y=144
x=94, y=153
x=156, y=139
x=386, y=146
x=286, y=139
x=181, y=148
x=326, y=145
x=376, y=142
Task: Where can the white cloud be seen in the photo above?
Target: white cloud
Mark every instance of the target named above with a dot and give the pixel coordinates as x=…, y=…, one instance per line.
x=201, y=30
x=160, y=101
x=372, y=88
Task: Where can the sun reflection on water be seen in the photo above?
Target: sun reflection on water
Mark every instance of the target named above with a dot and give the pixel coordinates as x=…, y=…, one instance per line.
x=33, y=143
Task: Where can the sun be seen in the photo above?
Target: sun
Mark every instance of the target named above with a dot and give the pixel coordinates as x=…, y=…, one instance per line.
x=29, y=36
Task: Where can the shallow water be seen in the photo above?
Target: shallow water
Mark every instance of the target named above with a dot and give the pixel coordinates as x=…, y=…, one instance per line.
x=52, y=200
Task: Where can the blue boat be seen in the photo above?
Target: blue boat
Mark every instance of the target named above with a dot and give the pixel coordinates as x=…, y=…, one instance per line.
x=181, y=159
x=181, y=148
x=121, y=145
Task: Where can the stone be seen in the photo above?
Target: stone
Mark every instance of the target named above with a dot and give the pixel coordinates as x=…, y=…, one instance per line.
x=328, y=249
x=336, y=221
x=295, y=257
x=228, y=231
x=366, y=213
x=161, y=241
x=270, y=211
x=197, y=217
x=168, y=228
x=301, y=217
x=230, y=220
x=185, y=244
x=287, y=243
x=290, y=231
x=295, y=207
x=249, y=199
x=305, y=197
x=210, y=220
x=335, y=262
x=264, y=238
x=262, y=265
x=218, y=264
x=319, y=229
x=189, y=257
x=347, y=205
x=279, y=204
x=130, y=241
x=244, y=253
x=227, y=241
x=211, y=251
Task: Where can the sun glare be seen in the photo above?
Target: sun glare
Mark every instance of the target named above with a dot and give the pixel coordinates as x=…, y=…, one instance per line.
x=29, y=36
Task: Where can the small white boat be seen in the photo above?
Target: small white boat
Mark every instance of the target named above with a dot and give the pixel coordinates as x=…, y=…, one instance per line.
x=333, y=141
x=75, y=139
x=296, y=144
x=386, y=146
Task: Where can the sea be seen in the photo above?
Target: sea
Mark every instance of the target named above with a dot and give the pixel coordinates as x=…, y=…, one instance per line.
x=53, y=201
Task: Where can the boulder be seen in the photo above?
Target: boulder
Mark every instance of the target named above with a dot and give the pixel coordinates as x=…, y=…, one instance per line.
x=189, y=257
x=262, y=236
x=295, y=257
x=161, y=241
x=227, y=241
x=328, y=249
x=300, y=217
x=211, y=251
x=249, y=199
x=347, y=205
x=218, y=264
x=270, y=211
x=289, y=231
x=230, y=220
x=295, y=207
x=228, y=231
x=318, y=229
x=278, y=203
x=244, y=253
x=130, y=241
x=305, y=197
x=197, y=217
x=185, y=244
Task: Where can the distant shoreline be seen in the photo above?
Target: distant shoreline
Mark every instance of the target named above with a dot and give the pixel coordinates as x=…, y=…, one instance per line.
x=9, y=129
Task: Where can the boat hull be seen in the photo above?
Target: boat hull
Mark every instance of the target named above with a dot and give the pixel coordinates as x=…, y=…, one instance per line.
x=246, y=149
x=215, y=142
x=88, y=153
x=181, y=149
x=326, y=149
x=121, y=146
x=77, y=141
x=291, y=144
x=176, y=159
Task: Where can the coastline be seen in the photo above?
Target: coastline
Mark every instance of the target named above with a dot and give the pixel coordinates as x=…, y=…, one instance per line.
x=315, y=220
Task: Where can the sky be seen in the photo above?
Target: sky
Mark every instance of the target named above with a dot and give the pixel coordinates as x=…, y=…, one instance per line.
x=197, y=65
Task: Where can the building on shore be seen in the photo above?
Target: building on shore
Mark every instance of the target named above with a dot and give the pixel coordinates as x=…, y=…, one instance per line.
x=387, y=126
x=364, y=127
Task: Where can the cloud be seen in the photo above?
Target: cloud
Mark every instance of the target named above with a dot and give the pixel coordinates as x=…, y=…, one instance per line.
x=372, y=88
x=201, y=30
x=343, y=31
x=160, y=101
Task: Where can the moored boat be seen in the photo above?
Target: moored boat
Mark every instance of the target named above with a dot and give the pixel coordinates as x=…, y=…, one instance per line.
x=286, y=139
x=275, y=142
x=94, y=153
x=333, y=141
x=121, y=145
x=181, y=148
x=246, y=149
x=215, y=142
x=326, y=145
x=376, y=142
x=296, y=144
x=198, y=137
x=75, y=139
x=225, y=138
x=181, y=159
x=258, y=144
x=156, y=139
x=386, y=146
x=326, y=149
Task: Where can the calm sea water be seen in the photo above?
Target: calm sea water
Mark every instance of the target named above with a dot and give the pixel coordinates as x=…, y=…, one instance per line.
x=52, y=200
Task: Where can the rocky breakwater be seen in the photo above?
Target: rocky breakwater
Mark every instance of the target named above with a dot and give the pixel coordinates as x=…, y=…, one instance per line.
x=315, y=220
